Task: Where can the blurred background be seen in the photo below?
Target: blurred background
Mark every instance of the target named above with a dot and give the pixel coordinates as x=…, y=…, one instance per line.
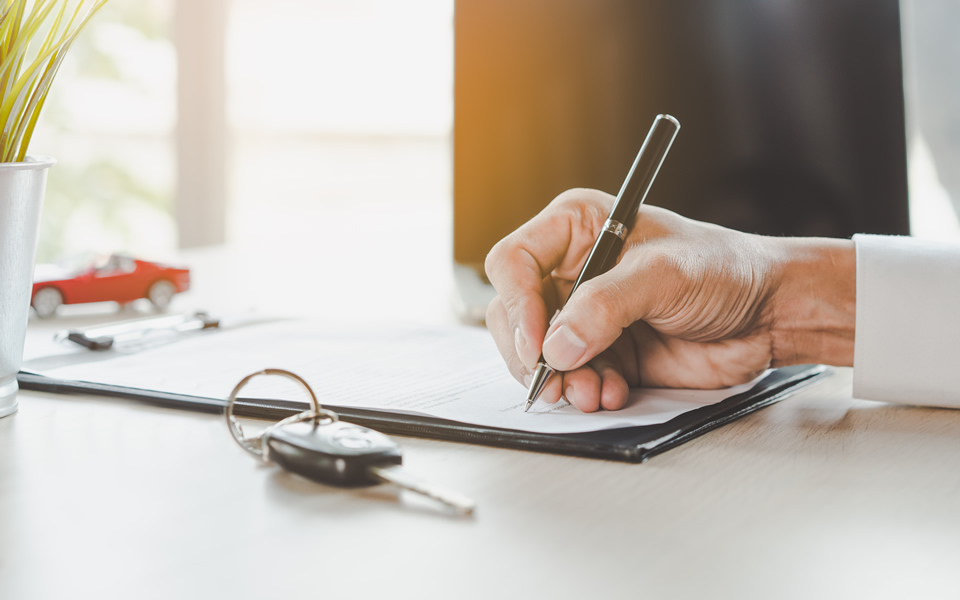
x=179, y=123
x=184, y=123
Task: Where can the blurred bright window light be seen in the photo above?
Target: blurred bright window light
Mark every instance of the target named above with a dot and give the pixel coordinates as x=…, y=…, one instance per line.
x=109, y=122
x=372, y=67
x=348, y=89
x=138, y=98
x=334, y=105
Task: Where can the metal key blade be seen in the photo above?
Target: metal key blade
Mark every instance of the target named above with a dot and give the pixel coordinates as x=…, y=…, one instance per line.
x=396, y=475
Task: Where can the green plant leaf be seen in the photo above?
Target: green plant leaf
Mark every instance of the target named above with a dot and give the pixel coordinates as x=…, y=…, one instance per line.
x=25, y=81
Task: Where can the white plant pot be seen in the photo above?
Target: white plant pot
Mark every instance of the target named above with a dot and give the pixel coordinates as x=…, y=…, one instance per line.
x=21, y=199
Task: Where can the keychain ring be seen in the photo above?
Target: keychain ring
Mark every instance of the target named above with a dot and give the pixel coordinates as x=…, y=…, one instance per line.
x=252, y=444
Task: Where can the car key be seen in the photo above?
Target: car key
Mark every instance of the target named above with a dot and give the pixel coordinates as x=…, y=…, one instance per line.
x=317, y=445
x=348, y=455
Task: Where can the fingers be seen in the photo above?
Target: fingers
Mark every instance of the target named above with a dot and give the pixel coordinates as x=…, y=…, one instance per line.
x=499, y=327
x=588, y=388
x=600, y=309
x=582, y=388
x=553, y=390
x=555, y=241
x=615, y=391
x=597, y=385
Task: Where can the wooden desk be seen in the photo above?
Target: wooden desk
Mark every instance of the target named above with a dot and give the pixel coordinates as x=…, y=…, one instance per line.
x=818, y=496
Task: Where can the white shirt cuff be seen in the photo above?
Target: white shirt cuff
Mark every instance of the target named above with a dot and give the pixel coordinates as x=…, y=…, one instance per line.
x=907, y=347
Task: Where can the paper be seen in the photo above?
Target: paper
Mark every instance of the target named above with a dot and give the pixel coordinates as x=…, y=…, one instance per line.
x=451, y=372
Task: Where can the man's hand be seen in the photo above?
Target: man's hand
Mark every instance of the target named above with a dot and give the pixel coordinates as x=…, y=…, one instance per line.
x=688, y=304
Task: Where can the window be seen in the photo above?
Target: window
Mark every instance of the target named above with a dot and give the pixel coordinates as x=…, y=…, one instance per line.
x=109, y=122
x=337, y=105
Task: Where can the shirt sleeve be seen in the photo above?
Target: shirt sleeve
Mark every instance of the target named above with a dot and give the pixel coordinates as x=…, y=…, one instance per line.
x=907, y=345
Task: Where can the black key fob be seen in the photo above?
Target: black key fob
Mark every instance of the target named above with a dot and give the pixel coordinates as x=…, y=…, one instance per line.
x=335, y=453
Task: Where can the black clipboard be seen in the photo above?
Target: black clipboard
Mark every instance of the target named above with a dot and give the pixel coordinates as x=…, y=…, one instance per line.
x=629, y=444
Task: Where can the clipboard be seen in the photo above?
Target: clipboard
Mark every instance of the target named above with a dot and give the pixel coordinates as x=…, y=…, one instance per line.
x=628, y=444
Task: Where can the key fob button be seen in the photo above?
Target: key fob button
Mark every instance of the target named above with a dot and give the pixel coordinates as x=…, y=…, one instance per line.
x=353, y=438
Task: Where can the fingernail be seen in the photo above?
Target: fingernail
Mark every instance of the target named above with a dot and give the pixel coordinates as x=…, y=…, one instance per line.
x=527, y=379
x=521, y=344
x=562, y=349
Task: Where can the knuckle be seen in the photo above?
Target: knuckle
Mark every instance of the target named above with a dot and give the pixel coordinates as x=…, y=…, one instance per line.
x=659, y=262
x=654, y=222
x=494, y=310
x=661, y=265
x=493, y=259
x=584, y=205
x=569, y=197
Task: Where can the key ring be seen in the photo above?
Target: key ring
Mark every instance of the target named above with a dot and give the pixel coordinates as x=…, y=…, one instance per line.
x=253, y=444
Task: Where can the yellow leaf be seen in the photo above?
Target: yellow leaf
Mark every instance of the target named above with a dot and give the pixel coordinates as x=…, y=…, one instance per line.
x=29, y=62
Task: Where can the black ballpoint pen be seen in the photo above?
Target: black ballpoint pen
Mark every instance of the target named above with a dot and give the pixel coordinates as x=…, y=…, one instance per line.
x=611, y=238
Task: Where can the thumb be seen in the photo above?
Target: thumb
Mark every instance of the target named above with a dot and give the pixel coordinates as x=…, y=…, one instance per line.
x=596, y=315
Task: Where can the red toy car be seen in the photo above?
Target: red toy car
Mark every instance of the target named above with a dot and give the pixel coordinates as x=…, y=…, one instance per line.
x=119, y=278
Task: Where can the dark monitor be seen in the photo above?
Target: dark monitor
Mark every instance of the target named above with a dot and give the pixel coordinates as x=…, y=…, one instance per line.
x=791, y=110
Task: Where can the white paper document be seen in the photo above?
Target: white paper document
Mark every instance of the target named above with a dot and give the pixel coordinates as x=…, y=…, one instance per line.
x=452, y=372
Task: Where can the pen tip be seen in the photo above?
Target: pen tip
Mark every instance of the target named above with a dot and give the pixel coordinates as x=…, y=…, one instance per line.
x=540, y=377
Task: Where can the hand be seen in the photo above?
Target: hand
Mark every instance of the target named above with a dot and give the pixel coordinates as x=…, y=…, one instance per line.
x=688, y=304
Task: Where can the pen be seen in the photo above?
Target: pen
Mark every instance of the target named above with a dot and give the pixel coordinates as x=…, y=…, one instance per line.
x=611, y=238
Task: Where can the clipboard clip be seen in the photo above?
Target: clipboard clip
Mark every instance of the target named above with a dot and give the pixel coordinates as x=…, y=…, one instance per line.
x=104, y=337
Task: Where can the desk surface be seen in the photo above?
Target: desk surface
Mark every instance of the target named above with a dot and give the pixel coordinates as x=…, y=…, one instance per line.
x=820, y=495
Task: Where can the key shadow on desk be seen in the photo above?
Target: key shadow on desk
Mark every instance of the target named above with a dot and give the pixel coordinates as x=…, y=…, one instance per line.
x=293, y=492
